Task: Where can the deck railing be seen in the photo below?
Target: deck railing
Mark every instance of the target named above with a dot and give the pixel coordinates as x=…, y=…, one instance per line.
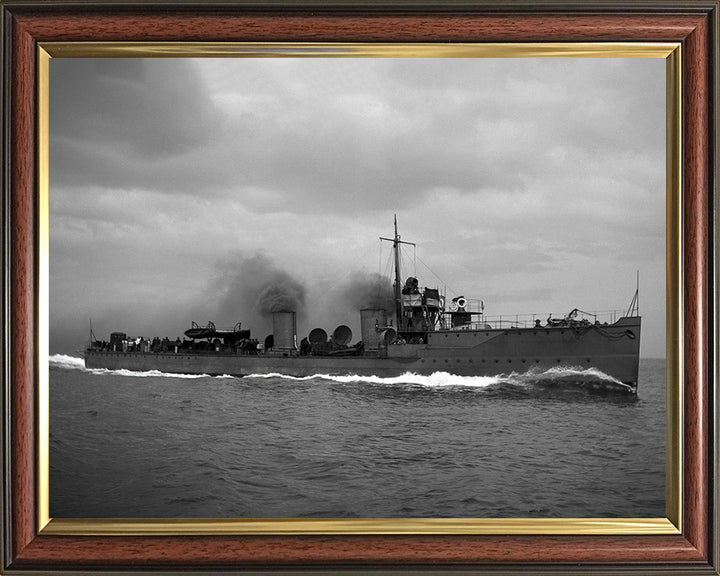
x=480, y=320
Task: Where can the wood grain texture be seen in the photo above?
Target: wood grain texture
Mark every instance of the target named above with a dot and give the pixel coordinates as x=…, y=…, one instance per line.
x=418, y=550
x=359, y=28
x=22, y=282
x=696, y=193
x=44, y=552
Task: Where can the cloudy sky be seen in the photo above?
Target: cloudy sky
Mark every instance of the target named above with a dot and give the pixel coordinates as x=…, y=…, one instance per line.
x=537, y=185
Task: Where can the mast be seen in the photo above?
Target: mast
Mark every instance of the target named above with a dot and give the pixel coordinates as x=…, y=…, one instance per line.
x=398, y=286
x=398, y=295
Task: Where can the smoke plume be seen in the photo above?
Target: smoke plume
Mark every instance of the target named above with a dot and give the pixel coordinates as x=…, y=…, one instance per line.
x=282, y=293
x=254, y=287
x=366, y=290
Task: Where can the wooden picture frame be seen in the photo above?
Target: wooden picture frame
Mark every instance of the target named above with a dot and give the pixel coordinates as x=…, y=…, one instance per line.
x=29, y=548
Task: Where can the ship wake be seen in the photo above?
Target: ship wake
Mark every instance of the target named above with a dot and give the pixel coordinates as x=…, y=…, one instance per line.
x=554, y=378
x=74, y=363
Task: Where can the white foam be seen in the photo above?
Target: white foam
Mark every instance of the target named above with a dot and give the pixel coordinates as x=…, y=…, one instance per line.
x=151, y=374
x=570, y=373
x=65, y=361
x=73, y=363
x=444, y=379
x=435, y=380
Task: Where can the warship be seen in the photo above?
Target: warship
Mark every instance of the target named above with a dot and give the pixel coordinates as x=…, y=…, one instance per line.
x=424, y=333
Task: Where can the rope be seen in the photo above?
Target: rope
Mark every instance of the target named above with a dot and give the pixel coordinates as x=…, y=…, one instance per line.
x=380, y=257
x=437, y=277
x=611, y=336
x=581, y=330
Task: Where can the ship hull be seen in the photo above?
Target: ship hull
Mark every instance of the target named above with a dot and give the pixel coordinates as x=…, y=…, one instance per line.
x=611, y=349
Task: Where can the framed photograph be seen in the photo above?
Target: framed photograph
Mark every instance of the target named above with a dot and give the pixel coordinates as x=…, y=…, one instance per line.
x=359, y=286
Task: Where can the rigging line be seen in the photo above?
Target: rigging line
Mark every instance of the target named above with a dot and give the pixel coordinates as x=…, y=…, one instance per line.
x=319, y=296
x=380, y=270
x=388, y=265
x=403, y=252
x=385, y=273
x=452, y=290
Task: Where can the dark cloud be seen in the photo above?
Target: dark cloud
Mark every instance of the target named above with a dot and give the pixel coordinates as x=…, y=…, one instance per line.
x=144, y=109
x=126, y=122
x=373, y=147
x=283, y=145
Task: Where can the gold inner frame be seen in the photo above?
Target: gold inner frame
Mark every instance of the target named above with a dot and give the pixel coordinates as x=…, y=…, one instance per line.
x=671, y=52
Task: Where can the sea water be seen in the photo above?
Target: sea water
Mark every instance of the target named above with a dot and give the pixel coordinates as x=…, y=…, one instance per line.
x=125, y=444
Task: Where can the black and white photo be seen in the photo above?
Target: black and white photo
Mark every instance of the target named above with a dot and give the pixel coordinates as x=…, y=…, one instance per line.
x=357, y=287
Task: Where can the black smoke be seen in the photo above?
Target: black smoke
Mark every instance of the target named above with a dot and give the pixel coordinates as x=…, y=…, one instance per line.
x=282, y=293
x=368, y=290
x=253, y=287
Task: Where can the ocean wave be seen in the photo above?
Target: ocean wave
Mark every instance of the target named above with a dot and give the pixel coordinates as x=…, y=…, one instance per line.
x=567, y=373
x=152, y=374
x=558, y=375
x=74, y=363
x=436, y=379
x=571, y=375
x=65, y=361
x=561, y=375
